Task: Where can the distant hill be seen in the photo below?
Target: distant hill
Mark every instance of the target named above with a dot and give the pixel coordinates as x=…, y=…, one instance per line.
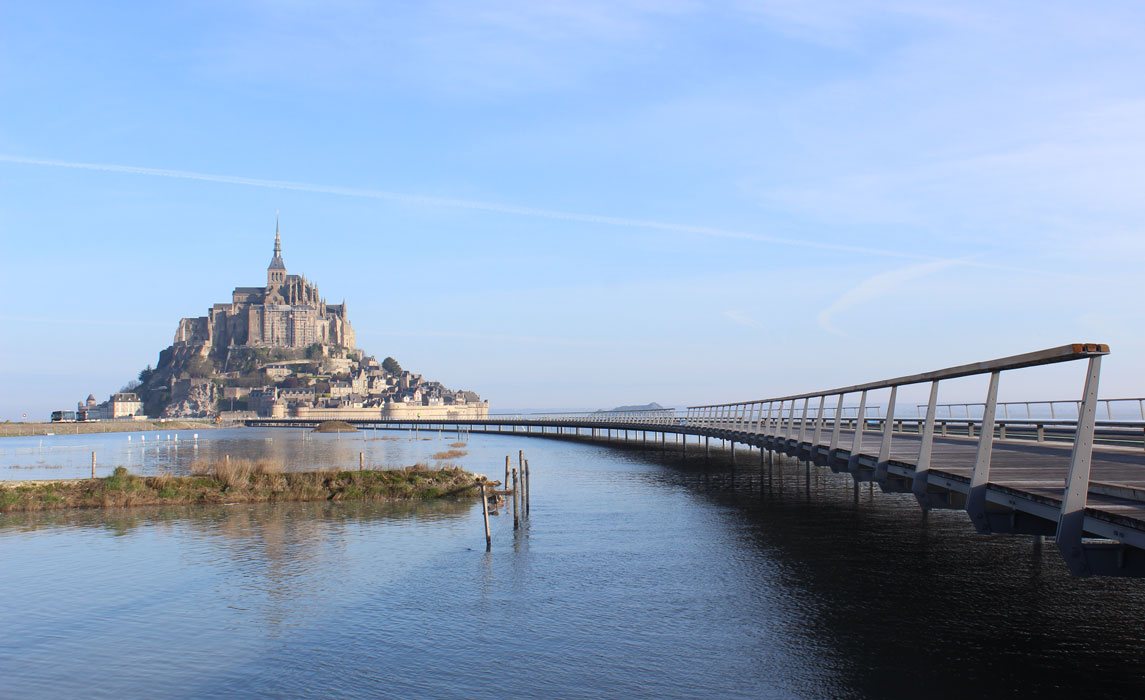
x=643, y=407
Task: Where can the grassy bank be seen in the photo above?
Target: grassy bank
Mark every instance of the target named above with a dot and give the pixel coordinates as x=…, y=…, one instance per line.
x=8, y=429
x=238, y=481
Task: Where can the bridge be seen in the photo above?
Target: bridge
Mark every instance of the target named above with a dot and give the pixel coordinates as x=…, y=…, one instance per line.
x=1072, y=476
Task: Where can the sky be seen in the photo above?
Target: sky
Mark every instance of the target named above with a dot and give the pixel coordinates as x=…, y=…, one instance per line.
x=581, y=204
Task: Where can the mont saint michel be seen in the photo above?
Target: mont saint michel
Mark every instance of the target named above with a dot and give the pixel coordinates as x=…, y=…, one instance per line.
x=278, y=350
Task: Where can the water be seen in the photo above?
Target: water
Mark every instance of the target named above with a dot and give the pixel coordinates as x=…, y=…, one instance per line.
x=69, y=456
x=636, y=576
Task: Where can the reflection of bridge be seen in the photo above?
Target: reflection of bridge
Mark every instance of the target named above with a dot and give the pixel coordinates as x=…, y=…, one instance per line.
x=1029, y=475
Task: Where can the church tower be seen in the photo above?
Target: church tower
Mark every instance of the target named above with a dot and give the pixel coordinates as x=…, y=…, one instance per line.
x=276, y=271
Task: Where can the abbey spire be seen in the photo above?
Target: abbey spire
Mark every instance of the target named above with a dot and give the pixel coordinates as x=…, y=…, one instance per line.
x=276, y=271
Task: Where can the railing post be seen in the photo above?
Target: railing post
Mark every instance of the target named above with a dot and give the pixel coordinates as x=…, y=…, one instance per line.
x=818, y=425
x=836, y=429
x=857, y=441
x=926, y=444
x=1072, y=521
x=980, y=479
x=885, y=446
x=803, y=422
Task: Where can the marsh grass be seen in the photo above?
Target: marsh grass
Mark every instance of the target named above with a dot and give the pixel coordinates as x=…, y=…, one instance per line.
x=238, y=481
x=449, y=454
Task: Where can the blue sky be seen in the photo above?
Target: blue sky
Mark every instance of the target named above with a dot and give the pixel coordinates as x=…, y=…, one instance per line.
x=581, y=204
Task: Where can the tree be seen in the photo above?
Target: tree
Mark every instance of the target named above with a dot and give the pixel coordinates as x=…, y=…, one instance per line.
x=145, y=374
x=391, y=365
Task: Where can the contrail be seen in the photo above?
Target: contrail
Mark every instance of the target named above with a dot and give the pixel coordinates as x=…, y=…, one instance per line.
x=476, y=205
x=431, y=201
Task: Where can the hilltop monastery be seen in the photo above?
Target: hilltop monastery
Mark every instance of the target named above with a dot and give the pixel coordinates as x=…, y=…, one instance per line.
x=279, y=351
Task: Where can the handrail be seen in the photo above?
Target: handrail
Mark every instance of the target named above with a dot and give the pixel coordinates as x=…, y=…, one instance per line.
x=1051, y=406
x=1064, y=353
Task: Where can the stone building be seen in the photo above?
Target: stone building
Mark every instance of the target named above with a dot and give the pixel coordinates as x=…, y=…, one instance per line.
x=288, y=312
x=121, y=405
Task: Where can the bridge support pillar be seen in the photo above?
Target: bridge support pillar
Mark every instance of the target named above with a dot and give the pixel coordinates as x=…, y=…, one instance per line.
x=926, y=445
x=883, y=463
x=976, y=506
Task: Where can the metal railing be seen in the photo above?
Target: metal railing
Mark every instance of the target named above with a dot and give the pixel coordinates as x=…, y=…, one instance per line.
x=781, y=421
x=654, y=416
x=1113, y=409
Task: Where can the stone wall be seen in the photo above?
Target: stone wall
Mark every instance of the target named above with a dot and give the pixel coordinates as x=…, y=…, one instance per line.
x=396, y=412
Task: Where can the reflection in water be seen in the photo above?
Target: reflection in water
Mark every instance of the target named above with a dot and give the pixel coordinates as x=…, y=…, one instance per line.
x=69, y=456
x=638, y=575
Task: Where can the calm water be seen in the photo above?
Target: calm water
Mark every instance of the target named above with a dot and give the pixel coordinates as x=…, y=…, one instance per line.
x=66, y=456
x=636, y=577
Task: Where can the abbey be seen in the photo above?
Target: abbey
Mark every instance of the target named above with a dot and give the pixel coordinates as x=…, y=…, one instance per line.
x=286, y=313
x=279, y=351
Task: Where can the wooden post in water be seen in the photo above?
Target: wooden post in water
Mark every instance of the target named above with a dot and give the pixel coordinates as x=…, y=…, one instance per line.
x=516, y=508
x=528, y=487
x=485, y=514
x=506, y=471
x=361, y=460
x=93, y=464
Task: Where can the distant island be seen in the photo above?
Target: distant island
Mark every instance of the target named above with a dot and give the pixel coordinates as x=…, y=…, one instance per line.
x=643, y=407
x=276, y=351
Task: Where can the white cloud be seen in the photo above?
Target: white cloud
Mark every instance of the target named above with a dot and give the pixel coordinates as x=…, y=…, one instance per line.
x=740, y=318
x=877, y=286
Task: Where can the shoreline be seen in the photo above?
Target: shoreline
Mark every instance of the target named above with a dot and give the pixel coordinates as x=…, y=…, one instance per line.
x=12, y=429
x=236, y=482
